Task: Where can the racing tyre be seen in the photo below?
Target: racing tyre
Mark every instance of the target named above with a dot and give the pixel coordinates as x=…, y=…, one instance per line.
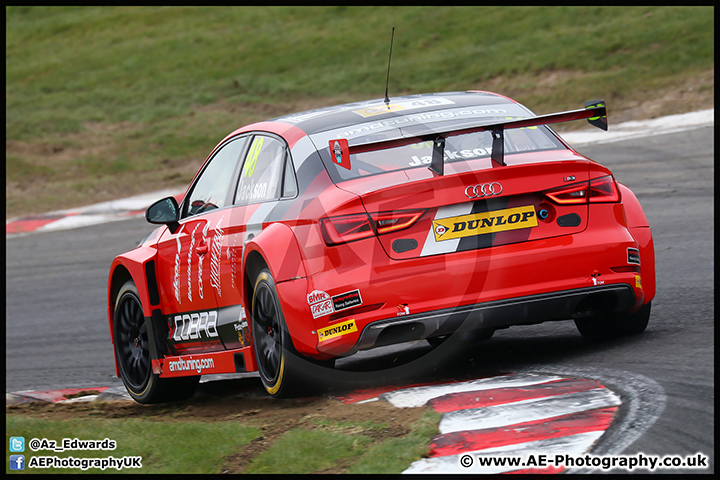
x=132, y=352
x=277, y=360
x=605, y=327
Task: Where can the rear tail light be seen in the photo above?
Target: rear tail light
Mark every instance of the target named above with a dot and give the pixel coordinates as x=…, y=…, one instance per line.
x=347, y=228
x=602, y=189
x=572, y=194
x=350, y=228
x=393, y=221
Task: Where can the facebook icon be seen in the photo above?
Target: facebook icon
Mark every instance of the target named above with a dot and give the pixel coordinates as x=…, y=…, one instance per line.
x=17, y=462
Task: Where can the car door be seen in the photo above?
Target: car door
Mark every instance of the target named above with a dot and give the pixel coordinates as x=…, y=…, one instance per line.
x=188, y=259
x=266, y=178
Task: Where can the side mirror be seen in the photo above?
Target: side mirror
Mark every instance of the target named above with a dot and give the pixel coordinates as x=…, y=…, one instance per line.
x=164, y=212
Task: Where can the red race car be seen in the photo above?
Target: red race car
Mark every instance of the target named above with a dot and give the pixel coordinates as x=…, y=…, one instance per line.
x=315, y=235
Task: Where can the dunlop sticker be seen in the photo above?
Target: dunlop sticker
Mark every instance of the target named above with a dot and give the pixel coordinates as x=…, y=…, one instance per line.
x=336, y=330
x=486, y=222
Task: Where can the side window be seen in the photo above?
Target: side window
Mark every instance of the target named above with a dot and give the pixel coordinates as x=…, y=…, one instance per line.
x=289, y=184
x=262, y=174
x=211, y=189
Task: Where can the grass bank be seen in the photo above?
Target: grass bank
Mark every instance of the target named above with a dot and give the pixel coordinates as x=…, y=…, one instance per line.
x=228, y=435
x=104, y=102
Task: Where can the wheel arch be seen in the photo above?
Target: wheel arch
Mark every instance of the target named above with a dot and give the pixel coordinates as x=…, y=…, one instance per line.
x=277, y=250
x=640, y=230
x=633, y=210
x=138, y=266
x=254, y=264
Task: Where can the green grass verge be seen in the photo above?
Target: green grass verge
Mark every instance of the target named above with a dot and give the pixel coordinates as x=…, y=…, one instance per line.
x=306, y=451
x=394, y=455
x=346, y=447
x=165, y=447
x=193, y=446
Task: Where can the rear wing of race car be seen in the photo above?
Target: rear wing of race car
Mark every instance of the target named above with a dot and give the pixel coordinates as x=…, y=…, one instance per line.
x=595, y=111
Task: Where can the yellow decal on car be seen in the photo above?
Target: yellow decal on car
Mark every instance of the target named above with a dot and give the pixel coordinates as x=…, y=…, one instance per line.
x=253, y=156
x=336, y=330
x=486, y=222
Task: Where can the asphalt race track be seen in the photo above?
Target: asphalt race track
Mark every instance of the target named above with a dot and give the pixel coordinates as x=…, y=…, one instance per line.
x=57, y=333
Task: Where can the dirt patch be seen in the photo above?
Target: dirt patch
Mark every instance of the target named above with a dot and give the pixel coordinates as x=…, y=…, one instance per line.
x=693, y=93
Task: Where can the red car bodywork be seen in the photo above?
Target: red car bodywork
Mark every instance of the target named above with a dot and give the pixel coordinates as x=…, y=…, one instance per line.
x=369, y=260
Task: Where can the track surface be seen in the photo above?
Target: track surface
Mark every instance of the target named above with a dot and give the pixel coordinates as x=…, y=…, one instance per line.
x=57, y=333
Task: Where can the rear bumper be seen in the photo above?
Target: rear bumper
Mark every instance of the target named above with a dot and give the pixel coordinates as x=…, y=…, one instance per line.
x=563, y=305
x=514, y=284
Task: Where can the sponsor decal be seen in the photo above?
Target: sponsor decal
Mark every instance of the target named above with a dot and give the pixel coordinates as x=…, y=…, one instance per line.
x=633, y=256
x=406, y=105
x=215, y=255
x=252, y=157
x=197, y=365
x=401, y=121
x=486, y=222
x=379, y=110
x=347, y=300
x=195, y=325
x=189, y=263
x=336, y=330
x=320, y=303
x=200, y=264
x=321, y=309
x=231, y=255
x=317, y=296
x=450, y=155
x=340, y=152
x=176, y=278
x=638, y=282
x=253, y=191
x=242, y=330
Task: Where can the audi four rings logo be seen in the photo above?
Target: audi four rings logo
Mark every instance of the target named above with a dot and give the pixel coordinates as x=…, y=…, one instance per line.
x=484, y=190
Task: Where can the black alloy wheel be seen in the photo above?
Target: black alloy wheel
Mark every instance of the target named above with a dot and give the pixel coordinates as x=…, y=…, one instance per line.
x=132, y=351
x=131, y=340
x=279, y=365
x=268, y=334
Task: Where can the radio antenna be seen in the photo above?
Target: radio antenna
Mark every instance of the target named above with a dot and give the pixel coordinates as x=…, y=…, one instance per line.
x=387, y=80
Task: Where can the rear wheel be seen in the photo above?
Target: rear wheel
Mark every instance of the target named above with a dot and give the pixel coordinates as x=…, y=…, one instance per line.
x=604, y=327
x=132, y=352
x=276, y=358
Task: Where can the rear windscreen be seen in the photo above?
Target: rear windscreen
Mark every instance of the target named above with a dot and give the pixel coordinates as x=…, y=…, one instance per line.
x=460, y=148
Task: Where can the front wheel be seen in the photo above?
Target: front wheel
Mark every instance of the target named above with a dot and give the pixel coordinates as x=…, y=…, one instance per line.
x=132, y=353
x=604, y=327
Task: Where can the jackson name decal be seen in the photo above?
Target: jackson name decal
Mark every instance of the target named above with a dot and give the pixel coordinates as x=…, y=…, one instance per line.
x=486, y=222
